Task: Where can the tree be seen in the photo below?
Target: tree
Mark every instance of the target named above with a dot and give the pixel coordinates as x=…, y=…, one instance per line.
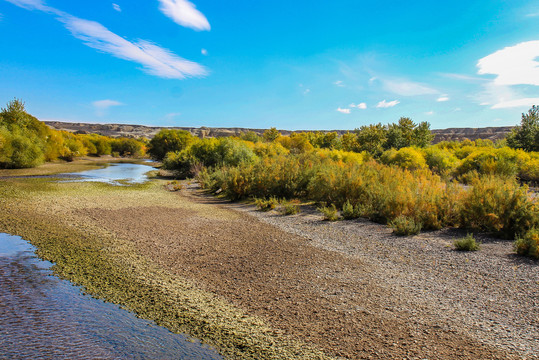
x=166, y=141
x=371, y=139
x=526, y=136
x=271, y=134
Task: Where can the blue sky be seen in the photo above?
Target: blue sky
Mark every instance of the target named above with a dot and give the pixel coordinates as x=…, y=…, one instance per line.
x=290, y=64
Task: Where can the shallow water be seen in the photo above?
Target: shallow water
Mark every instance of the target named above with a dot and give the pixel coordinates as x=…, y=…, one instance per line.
x=114, y=172
x=42, y=316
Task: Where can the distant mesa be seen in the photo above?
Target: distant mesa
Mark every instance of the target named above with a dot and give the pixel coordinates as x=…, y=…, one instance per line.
x=137, y=131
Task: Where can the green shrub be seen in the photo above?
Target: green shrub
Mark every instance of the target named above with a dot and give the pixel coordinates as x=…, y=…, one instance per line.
x=289, y=207
x=499, y=206
x=330, y=212
x=350, y=211
x=528, y=244
x=467, y=243
x=404, y=225
x=266, y=204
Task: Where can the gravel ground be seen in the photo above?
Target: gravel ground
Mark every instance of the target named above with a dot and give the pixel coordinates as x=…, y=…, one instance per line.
x=490, y=295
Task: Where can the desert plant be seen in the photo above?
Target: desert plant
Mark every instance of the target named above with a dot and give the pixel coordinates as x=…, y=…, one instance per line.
x=266, y=204
x=330, y=212
x=289, y=207
x=500, y=206
x=466, y=243
x=350, y=211
x=528, y=244
x=404, y=225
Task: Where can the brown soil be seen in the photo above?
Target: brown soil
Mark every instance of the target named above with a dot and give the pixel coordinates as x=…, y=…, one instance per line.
x=327, y=299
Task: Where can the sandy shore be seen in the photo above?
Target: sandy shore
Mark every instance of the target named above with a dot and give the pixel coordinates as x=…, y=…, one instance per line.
x=350, y=289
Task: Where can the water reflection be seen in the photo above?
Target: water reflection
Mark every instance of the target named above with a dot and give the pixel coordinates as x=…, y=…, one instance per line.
x=42, y=316
x=117, y=173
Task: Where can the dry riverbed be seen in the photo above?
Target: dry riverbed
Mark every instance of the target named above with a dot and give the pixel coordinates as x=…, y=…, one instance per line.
x=261, y=285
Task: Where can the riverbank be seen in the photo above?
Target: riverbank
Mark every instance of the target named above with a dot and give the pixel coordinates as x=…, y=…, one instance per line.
x=259, y=285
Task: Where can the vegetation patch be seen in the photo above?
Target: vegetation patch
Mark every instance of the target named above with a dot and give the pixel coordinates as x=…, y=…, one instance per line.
x=528, y=244
x=330, y=212
x=467, y=243
x=404, y=226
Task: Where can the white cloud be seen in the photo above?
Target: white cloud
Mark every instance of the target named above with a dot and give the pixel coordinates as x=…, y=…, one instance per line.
x=344, y=111
x=171, y=116
x=306, y=91
x=154, y=59
x=361, y=106
x=526, y=102
x=408, y=88
x=443, y=98
x=429, y=113
x=339, y=83
x=101, y=106
x=513, y=65
x=387, y=104
x=117, y=7
x=532, y=14
x=184, y=13
x=30, y=4
x=204, y=52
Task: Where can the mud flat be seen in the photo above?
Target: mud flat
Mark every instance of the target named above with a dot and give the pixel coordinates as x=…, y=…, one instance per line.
x=259, y=285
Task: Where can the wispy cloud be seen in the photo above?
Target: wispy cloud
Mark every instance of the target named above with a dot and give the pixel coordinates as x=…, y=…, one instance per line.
x=534, y=14
x=171, y=116
x=429, y=113
x=154, y=59
x=463, y=77
x=117, y=7
x=101, y=106
x=204, y=52
x=387, y=104
x=344, y=111
x=339, y=83
x=361, y=106
x=408, y=88
x=184, y=13
x=526, y=102
x=443, y=98
x=513, y=65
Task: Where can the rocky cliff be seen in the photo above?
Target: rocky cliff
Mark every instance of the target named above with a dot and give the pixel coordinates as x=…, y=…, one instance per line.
x=123, y=130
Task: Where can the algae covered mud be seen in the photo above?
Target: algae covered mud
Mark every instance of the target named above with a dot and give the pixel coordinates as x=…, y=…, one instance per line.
x=59, y=219
x=43, y=316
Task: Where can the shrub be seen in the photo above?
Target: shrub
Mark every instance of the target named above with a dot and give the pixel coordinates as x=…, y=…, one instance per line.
x=500, y=206
x=330, y=212
x=404, y=225
x=528, y=244
x=289, y=207
x=266, y=204
x=350, y=211
x=467, y=243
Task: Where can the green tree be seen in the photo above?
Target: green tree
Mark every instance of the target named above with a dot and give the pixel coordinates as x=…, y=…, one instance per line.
x=169, y=141
x=271, y=134
x=371, y=139
x=526, y=136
